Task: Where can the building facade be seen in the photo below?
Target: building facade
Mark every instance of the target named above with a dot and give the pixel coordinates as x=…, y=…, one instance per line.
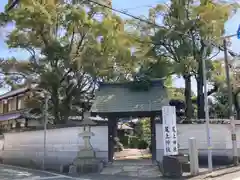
x=12, y=107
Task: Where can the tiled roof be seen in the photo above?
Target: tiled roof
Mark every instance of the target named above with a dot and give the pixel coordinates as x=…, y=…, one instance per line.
x=117, y=97
x=14, y=92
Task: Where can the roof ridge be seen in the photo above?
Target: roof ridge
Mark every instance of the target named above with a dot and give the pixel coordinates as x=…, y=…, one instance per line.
x=14, y=92
x=155, y=80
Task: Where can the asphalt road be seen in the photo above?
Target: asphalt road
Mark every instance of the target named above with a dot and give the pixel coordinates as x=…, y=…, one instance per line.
x=8, y=172
x=16, y=173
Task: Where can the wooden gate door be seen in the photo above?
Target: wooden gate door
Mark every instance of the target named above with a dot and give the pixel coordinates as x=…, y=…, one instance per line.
x=153, y=138
x=112, y=129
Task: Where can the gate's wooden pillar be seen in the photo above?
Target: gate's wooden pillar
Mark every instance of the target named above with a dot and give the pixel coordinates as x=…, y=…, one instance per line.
x=153, y=138
x=112, y=133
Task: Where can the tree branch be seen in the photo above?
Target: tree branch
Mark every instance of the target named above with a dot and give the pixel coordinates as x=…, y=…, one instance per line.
x=71, y=42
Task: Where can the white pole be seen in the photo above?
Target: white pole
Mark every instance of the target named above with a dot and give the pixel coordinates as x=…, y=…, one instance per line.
x=193, y=152
x=209, y=143
x=45, y=130
x=230, y=101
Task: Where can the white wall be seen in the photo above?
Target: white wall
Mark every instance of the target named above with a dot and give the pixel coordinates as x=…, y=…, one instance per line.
x=62, y=145
x=220, y=137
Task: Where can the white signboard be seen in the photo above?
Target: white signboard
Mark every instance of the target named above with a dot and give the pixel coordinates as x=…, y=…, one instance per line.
x=170, y=143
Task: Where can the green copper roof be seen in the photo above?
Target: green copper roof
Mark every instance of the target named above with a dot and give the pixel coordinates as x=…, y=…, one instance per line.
x=118, y=97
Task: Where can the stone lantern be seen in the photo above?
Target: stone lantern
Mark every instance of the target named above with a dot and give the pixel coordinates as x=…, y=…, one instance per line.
x=86, y=161
x=86, y=134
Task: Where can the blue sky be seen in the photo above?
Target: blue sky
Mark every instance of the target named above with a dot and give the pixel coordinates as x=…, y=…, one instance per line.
x=137, y=8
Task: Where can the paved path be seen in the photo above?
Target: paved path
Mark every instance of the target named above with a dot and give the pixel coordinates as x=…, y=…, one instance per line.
x=132, y=154
x=133, y=168
x=16, y=173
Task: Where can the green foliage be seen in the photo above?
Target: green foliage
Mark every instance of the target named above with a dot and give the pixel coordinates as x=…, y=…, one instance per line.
x=220, y=106
x=176, y=93
x=124, y=140
x=133, y=141
x=142, y=144
x=143, y=130
x=71, y=50
x=146, y=130
x=142, y=84
x=186, y=27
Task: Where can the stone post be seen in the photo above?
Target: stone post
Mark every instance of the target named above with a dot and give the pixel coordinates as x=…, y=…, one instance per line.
x=193, y=153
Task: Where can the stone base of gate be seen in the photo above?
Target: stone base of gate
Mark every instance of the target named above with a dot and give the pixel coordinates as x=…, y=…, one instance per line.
x=132, y=168
x=84, y=166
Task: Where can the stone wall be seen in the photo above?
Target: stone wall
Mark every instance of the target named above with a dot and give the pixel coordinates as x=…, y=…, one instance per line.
x=220, y=136
x=26, y=148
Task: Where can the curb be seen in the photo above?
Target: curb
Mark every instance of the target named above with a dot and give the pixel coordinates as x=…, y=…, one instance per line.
x=217, y=173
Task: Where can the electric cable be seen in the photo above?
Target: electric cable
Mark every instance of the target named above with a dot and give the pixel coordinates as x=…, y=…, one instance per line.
x=207, y=43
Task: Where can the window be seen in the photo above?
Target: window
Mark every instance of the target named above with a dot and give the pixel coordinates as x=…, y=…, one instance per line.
x=13, y=104
x=10, y=104
x=20, y=102
x=5, y=106
x=1, y=106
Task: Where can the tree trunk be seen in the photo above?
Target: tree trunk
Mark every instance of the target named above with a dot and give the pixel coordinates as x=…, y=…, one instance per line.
x=188, y=97
x=236, y=103
x=200, y=94
x=56, y=109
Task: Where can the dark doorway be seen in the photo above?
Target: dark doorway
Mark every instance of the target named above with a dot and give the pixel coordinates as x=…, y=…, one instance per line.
x=133, y=139
x=114, y=133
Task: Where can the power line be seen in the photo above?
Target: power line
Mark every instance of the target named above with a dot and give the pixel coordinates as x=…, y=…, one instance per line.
x=127, y=14
x=141, y=6
x=208, y=43
x=137, y=7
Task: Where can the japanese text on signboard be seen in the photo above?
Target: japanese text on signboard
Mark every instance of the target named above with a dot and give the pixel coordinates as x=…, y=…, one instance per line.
x=169, y=130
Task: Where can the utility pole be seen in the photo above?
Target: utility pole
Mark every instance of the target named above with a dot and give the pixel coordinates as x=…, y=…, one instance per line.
x=45, y=129
x=230, y=100
x=209, y=142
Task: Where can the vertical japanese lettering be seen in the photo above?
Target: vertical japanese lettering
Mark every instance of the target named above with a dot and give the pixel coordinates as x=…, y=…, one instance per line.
x=168, y=150
x=174, y=136
x=166, y=129
x=174, y=149
x=169, y=129
x=174, y=129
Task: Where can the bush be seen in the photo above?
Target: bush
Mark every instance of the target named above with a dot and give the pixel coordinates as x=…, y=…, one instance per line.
x=142, y=144
x=133, y=142
x=124, y=140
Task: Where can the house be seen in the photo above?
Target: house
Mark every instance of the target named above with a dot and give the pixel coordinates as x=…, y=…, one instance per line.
x=12, y=108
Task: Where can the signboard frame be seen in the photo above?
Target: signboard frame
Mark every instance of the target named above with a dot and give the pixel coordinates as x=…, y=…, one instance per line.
x=169, y=127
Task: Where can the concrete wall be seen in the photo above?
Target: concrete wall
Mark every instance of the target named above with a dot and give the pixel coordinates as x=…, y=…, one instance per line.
x=24, y=148
x=220, y=134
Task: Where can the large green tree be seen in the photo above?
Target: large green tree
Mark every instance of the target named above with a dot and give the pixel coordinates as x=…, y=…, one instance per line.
x=235, y=69
x=209, y=27
x=188, y=26
x=221, y=104
x=72, y=47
